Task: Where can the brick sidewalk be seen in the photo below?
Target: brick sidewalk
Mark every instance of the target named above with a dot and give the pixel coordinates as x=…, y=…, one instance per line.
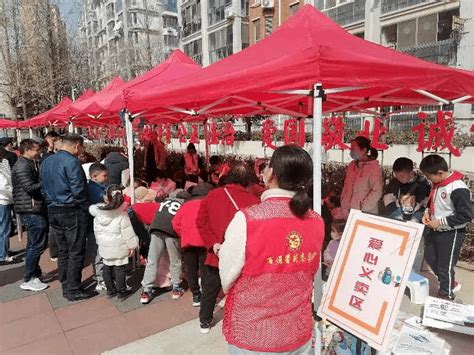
x=46, y=323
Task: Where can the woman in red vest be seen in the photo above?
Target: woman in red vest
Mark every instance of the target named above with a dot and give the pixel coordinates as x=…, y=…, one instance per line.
x=268, y=261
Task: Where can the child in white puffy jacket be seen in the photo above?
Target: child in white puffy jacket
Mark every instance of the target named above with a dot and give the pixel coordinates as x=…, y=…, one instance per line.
x=116, y=240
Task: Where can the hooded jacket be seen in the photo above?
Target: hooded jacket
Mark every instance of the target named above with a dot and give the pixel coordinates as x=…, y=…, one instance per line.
x=115, y=163
x=363, y=187
x=26, y=187
x=114, y=235
x=450, y=203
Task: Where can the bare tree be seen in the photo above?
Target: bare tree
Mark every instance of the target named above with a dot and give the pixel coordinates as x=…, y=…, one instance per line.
x=37, y=55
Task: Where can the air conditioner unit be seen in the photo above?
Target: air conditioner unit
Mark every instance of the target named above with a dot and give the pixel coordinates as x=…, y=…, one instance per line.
x=268, y=4
x=229, y=13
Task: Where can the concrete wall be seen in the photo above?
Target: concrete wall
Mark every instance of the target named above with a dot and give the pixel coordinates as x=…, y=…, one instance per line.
x=254, y=148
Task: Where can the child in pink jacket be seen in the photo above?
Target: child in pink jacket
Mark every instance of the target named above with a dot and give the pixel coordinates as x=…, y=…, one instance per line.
x=363, y=186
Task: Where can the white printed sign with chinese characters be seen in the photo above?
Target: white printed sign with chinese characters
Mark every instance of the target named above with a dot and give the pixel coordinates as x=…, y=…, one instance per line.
x=369, y=275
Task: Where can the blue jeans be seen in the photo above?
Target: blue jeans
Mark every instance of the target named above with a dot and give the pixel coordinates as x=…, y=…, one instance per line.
x=5, y=230
x=398, y=214
x=37, y=231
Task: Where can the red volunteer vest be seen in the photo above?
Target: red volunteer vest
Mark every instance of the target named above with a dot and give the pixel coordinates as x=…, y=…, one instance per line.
x=269, y=307
x=191, y=163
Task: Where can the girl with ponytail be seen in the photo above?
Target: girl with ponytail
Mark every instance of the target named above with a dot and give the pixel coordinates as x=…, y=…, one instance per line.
x=268, y=261
x=363, y=185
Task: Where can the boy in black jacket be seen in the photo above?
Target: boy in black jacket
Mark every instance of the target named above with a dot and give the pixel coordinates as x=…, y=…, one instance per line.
x=450, y=210
x=406, y=186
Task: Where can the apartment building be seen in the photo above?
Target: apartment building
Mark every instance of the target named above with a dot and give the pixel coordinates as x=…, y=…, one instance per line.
x=440, y=31
x=213, y=29
x=267, y=15
x=127, y=37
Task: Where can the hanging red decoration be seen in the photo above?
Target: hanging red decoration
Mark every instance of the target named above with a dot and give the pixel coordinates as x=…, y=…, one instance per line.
x=213, y=134
x=228, y=133
x=194, y=134
x=333, y=135
x=268, y=130
x=182, y=133
x=440, y=134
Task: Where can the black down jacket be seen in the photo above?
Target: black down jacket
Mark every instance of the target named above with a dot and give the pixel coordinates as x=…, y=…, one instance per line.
x=115, y=163
x=27, y=197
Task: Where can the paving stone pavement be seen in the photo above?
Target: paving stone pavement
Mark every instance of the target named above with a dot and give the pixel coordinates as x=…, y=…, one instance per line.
x=46, y=323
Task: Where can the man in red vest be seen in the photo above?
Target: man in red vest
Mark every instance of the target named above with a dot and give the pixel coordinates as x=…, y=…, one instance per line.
x=268, y=261
x=214, y=215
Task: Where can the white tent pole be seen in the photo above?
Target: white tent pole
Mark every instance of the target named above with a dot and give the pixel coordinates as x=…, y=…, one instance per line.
x=129, y=136
x=71, y=127
x=31, y=132
x=432, y=96
x=318, y=94
x=317, y=149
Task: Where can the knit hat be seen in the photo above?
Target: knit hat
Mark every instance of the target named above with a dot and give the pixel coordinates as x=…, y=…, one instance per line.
x=142, y=194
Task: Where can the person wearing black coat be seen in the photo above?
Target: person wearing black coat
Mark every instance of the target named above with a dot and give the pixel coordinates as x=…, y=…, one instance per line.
x=116, y=163
x=29, y=204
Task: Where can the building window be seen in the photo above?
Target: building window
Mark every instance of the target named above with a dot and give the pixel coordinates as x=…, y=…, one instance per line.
x=169, y=21
x=245, y=35
x=294, y=7
x=220, y=44
x=118, y=6
x=217, y=10
x=135, y=18
x=256, y=30
x=268, y=25
x=191, y=16
x=171, y=41
x=472, y=109
x=194, y=50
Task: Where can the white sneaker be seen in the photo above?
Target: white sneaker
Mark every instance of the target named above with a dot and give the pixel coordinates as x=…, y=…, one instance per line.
x=8, y=259
x=100, y=286
x=457, y=286
x=34, y=285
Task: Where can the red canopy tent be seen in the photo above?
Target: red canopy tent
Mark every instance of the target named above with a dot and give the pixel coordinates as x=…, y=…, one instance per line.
x=176, y=66
x=307, y=61
x=308, y=49
x=57, y=116
x=90, y=105
x=107, y=107
x=8, y=124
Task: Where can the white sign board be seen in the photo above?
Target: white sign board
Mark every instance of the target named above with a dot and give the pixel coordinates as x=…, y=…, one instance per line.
x=369, y=275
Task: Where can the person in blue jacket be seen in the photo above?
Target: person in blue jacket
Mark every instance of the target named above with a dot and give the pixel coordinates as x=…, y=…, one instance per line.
x=64, y=185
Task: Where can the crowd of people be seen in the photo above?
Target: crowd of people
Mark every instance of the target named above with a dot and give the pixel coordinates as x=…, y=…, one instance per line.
x=247, y=230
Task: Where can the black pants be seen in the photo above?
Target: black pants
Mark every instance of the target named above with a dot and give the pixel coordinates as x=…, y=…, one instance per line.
x=441, y=253
x=53, y=246
x=194, y=261
x=114, y=278
x=69, y=230
x=211, y=286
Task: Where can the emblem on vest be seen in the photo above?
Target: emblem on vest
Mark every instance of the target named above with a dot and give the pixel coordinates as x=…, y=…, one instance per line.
x=294, y=241
x=444, y=195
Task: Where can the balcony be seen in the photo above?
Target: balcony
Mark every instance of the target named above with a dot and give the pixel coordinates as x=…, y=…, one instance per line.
x=192, y=27
x=396, y=5
x=197, y=58
x=442, y=52
x=347, y=14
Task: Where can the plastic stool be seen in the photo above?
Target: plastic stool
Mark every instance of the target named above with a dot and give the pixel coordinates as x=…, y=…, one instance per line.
x=419, y=287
